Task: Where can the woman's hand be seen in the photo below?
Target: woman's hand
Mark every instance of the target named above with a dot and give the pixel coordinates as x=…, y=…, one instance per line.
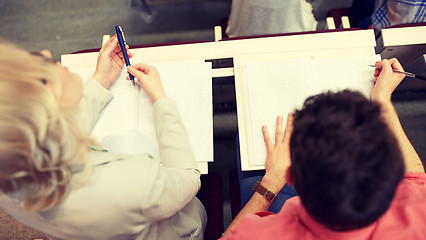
x=149, y=79
x=386, y=80
x=110, y=62
x=278, y=155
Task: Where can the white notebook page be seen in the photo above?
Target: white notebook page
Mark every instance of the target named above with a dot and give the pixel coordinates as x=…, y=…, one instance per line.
x=126, y=123
x=277, y=88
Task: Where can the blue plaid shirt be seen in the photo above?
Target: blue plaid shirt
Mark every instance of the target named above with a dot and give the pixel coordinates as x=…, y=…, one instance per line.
x=392, y=12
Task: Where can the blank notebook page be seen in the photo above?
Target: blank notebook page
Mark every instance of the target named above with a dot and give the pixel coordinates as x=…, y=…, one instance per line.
x=190, y=85
x=126, y=124
x=277, y=88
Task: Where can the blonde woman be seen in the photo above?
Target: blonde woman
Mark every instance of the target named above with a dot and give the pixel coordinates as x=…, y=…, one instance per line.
x=52, y=180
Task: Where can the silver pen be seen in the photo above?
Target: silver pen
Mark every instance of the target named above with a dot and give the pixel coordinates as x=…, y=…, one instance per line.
x=408, y=74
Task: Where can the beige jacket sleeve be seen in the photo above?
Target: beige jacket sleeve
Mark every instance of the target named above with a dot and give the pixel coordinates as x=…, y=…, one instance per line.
x=95, y=97
x=177, y=182
x=172, y=137
x=167, y=189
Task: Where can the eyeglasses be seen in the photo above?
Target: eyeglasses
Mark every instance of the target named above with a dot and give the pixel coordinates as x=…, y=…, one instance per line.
x=45, y=59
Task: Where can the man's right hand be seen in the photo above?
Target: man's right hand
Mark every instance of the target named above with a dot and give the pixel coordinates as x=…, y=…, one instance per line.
x=386, y=80
x=385, y=83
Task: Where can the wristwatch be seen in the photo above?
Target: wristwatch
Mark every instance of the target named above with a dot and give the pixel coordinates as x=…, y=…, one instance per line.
x=268, y=195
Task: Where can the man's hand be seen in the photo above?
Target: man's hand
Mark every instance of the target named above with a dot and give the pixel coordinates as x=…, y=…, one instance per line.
x=149, y=80
x=385, y=83
x=110, y=62
x=278, y=155
x=386, y=80
x=276, y=165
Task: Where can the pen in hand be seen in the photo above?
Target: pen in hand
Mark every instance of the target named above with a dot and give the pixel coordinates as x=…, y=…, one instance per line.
x=122, y=42
x=408, y=74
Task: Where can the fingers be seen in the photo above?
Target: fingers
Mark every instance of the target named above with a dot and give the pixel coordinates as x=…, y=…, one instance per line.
x=386, y=79
x=395, y=64
x=140, y=70
x=145, y=68
x=392, y=63
x=110, y=45
x=119, y=61
x=149, y=80
x=289, y=128
x=389, y=65
x=107, y=43
x=378, y=68
x=118, y=51
x=378, y=64
x=266, y=137
x=118, y=56
x=135, y=72
x=386, y=66
x=117, y=48
x=279, y=130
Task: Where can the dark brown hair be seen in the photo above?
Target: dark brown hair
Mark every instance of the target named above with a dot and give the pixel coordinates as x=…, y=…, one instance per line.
x=346, y=162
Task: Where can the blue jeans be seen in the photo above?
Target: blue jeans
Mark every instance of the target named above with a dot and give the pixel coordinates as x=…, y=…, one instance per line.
x=247, y=179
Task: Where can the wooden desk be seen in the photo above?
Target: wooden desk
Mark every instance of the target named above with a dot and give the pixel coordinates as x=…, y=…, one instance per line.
x=329, y=44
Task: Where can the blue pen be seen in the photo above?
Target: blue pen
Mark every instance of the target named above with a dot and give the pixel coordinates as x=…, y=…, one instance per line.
x=122, y=42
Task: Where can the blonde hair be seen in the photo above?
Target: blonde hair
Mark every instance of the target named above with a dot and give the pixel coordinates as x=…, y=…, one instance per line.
x=41, y=143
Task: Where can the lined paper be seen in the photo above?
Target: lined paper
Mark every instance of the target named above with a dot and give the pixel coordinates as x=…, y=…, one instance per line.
x=277, y=88
x=126, y=124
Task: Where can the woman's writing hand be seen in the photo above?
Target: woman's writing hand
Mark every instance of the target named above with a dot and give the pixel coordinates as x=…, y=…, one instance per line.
x=149, y=80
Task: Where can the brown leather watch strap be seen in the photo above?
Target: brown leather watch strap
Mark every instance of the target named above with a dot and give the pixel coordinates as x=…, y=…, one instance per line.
x=268, y=195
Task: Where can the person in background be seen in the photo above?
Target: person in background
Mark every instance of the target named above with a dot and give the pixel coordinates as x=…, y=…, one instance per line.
x=356, y=173
x=57, y=180
x=361, y=13
x=260, y=17
x=381, y=14
x=391, y=12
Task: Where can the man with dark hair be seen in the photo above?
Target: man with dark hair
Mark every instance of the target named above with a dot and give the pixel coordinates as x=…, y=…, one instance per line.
x=348, y=142
x=356, y=173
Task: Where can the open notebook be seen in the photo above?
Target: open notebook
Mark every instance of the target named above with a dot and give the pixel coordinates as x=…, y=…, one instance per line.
x=268, y=89
x=126, y=124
